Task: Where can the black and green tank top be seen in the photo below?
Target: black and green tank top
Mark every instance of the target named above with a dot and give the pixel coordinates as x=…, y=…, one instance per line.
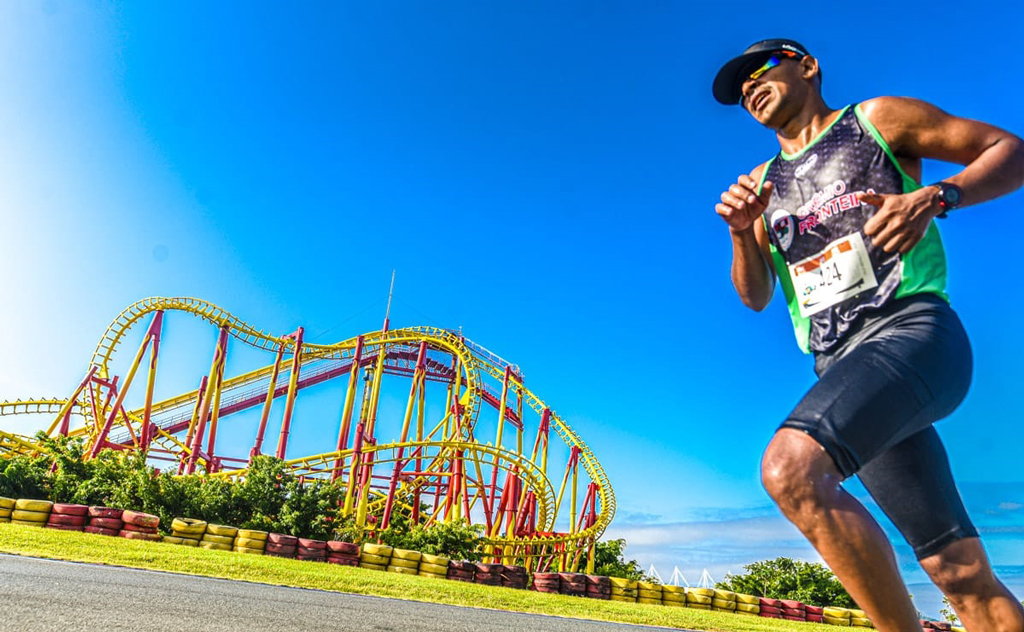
x=831, y=273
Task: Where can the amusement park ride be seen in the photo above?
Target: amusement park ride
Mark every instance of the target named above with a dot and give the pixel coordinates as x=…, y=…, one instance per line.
x=437, y=469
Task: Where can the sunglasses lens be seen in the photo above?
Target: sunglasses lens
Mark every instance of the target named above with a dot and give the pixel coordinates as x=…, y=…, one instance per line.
x=772, y=62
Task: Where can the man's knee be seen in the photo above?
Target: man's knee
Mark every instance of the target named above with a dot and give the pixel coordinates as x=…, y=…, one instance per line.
x=961, y=569
x=797, y=472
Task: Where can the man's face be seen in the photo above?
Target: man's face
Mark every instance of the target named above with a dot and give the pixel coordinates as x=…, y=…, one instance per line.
x=769, y=96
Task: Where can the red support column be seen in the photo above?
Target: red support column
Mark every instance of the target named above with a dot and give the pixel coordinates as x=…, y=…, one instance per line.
x=346, y=413
x=154, y=331
x=194, y=423
x=215, y=410
x=204, y=407
x=393, y=483
x=282, y=442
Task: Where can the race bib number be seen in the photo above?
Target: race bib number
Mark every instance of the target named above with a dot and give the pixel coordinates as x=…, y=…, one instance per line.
x=841, y=270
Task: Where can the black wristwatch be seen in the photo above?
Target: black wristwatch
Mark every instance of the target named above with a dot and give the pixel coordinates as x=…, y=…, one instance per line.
x=950, y=197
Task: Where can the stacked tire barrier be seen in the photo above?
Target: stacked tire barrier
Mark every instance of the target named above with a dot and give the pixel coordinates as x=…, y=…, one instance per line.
x=31, y=513
x=375, y=557
x=281, y=545
x=700, y=598
x=515, y=577
x=462, y=571
x=547, y=583
x=404, y=561
x=311, y=550
x=488, y=574
x=815, y=614
x=624, y=590
x=673, y=596
x=67, y=517
x=859, y=619
x=748, y=604
x=599, y=587
x=140, y=526
x=6, y=508
x=769, y=608
x=723, y=600
x=218, y=537
x=105, y=521
x=936, y=625
x=793, y=610
x=572, y=584
x=435, y=566
x=250, y=541
x=342, y=553
x=648, y=593
x=186, y=532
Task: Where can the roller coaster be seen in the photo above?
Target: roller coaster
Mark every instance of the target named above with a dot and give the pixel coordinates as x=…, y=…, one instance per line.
x=429, y=462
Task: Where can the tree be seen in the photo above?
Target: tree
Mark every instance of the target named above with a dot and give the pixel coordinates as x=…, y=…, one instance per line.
x=947, y=613
x=609, y=560
x=784, y=578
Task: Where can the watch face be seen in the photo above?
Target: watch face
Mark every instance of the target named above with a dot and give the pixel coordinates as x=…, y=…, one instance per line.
x=951, y=195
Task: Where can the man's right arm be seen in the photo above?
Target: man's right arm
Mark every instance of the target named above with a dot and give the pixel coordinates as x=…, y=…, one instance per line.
x=741, y=208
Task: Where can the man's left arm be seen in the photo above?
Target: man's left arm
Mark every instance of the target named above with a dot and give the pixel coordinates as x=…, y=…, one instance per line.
x=993, y=162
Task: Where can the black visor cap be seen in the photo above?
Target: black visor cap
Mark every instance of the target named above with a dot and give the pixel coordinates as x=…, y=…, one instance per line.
x=729, y=80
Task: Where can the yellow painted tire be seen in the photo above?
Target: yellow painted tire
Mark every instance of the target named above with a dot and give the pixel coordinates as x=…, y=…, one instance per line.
x=403, y=554
x=378, y=560
x=7, y=503
x=858, y=613
x=404, y=570
x=749, y=608
x=836, y=620
x=170, y=539
x=723, y=595
x=670, y=597
x=674, y=590
x=195, y=537
x=372, y=567
x=219, y=539
x=724, y=604
x=698, y=606
x=250, y=543
x=623, y=599
x=6, y=513
x=836, y=613
x=701, y=600
x=703, y=592
x=624, y=591
x=672, y=602
x=404, y=563
x=381, y=550
x=222, y=530
x=5, y=520
x=215, y=546
x=181, y=541
x=861, y=622
x=650, y=602
x=621, y=582
x=439, y=560
x=27, y=523
x=26, y=504
x=748, y=599
x=247, y=550
x=648, y=594
x=29, y=516
x=252, y=534
x=188, y=526
x=436, y=569
x=648, y=586
x=434, y=575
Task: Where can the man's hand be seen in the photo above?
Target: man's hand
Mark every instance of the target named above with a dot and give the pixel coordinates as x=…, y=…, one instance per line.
x=901, y=220
x=741, y=206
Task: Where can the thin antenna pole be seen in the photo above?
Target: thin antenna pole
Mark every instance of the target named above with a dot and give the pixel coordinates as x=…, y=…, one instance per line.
x=391, y=293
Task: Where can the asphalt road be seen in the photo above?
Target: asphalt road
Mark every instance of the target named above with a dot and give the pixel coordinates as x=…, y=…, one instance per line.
x=46, y=595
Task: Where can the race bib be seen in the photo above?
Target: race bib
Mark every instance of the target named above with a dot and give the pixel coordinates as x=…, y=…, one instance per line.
x=841, y=270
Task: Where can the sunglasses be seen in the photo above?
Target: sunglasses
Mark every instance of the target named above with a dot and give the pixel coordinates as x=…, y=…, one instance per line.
x=772, y=62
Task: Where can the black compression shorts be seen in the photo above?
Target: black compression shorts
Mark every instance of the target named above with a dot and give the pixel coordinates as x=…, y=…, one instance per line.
x=873, y=409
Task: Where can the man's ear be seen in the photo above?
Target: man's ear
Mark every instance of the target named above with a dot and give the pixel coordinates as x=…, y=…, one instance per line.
x=809, y=67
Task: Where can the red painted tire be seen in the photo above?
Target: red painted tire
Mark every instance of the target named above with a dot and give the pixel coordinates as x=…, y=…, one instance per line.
x=770, y=610
x=66, y=509
x=772, y=603
x=140, y=519
x=345, y=548
x=793, y=604
x=793, y=612
x=770, y=616
x=816, y=618
x=789, y=618
x=65, y=527
x=290, y=556
x=101, y=530
x=135, y=535
x=344, y=561
x=138, y=529
x=107, y=523
x=280, y=538
x=315, y=545
x=814, y=610
x=281, y=549
x=311, y=558
x=66, y=520
x=105, y=512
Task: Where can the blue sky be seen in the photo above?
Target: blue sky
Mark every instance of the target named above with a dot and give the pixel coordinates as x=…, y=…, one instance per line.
x=542, y=175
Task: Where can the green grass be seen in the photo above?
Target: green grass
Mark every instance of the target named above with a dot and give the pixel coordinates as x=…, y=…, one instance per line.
x=97, y=549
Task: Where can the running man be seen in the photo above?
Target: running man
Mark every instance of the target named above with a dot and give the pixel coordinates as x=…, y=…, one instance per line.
x=840, y=217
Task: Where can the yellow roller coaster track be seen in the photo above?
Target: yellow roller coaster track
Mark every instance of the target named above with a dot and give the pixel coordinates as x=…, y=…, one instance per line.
x=461, y=471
